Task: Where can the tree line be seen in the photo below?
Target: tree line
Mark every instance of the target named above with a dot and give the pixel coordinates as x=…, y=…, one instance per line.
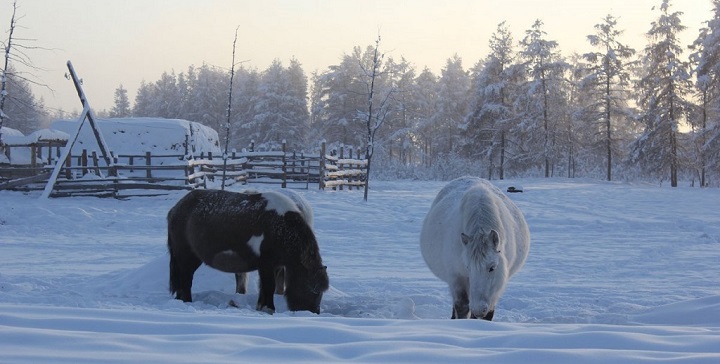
x=525, y=109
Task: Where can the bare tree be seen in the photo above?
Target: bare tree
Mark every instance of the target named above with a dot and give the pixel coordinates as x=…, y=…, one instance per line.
x=3, y=76
x=15, y=51
x=229, y=112
x=375, y=115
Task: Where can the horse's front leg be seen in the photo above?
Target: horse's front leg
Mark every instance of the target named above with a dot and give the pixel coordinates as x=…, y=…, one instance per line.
x=280, y=279
x=266, y=274
x=461, y=303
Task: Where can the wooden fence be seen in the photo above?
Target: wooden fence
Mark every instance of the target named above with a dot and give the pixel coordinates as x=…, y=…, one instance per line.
x=149, y=174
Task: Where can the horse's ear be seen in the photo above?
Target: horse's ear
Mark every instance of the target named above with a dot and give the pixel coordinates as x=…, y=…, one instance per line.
x=495, y=239
x=465, y=239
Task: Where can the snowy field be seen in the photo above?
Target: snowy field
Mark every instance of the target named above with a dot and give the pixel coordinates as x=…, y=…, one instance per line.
x=617, y=273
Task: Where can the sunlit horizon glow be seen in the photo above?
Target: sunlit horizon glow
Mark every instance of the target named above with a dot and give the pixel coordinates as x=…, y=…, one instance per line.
x=113, y=43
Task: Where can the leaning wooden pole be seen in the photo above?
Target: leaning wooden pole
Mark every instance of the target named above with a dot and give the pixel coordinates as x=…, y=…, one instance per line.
x=50, y=185
x=88, y=115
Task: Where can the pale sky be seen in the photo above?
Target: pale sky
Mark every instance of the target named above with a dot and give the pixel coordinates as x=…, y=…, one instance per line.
x=114, y=42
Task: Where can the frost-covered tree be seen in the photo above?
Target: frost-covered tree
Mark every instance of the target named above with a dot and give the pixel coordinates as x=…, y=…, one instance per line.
x=281, y=111
x=18, y=107
x=705, y=120
x=143, y=100
x=490, y=119
x=209, y=97
x=23, y=111
x=167, y=97
x=608, y=87
x=453, y=92
x=663, y=89
x=297, y=102
x=396, y=133
x=184, y=84
x=245, y=95
x=121, y=108
x=541, y=98
x=339, y=96
x=425, y=93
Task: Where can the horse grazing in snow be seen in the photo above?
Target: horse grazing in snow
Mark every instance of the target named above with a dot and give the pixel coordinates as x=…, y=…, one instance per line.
x=474, y=238
x=307, y=212
x=242, y=232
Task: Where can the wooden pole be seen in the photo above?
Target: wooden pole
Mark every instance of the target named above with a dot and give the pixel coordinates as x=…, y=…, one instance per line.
x=90, y=115
x=86, y=114
x=84, y=161
x=148, y=163
x=321, y=168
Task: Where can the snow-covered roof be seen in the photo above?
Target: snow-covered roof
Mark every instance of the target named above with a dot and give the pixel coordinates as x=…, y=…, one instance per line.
x=140, y=135
x=13, y=137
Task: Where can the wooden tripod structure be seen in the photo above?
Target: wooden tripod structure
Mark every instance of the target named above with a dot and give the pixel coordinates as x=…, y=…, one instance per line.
x=89, y=115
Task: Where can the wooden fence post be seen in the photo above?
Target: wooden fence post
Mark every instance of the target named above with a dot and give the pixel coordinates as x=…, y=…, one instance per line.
x=212, y=168
x=49, y=160
x=96, y=163
x=84, y=161
x=39, y=153
x=339, y=165
x=33, y=157
x=113, y=170
x=148, y=163
x=284, y=164
x=321, y=168
x=68, y=164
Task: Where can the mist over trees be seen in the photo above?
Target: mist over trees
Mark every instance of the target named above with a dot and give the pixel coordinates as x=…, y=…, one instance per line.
x=525, y=109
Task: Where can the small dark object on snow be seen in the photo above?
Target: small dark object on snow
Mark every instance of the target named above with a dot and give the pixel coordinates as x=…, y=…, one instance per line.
x=512, y=189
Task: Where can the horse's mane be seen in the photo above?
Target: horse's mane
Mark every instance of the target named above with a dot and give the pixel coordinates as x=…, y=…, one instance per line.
x=305, y=243
x=480, y=209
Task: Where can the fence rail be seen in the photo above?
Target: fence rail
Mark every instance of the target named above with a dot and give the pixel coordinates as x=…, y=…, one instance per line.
x=86, y=174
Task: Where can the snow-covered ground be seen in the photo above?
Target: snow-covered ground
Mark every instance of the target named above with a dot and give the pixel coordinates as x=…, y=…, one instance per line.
x=620, y=273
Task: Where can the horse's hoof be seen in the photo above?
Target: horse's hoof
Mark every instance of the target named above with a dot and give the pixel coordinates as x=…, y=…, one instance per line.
x=266, y=309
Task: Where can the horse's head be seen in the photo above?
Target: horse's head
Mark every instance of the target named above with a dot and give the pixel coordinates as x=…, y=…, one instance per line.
x=305, y=290
x=488, y=271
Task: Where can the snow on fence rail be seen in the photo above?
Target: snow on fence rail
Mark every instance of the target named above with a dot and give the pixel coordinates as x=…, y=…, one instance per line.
x=86, y=174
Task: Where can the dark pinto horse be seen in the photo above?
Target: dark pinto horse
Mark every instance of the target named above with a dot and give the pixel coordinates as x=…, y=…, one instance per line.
x=242, y=232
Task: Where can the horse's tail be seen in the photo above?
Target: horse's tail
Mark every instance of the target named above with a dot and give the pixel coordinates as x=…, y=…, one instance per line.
x=174, y=274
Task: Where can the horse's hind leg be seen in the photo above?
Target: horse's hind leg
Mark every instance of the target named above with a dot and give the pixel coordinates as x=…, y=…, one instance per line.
x=182, y=269
x=461, y=303
x=241, y=280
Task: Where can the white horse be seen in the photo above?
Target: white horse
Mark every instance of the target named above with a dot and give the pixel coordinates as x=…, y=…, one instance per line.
x=474, y=238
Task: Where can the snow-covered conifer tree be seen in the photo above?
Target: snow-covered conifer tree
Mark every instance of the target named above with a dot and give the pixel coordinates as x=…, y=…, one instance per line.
x=490, y=118
x=706, y=120
x=607, y=83
x=663, y=89
x=453, y=96
x=541, y=97
x=121, y=108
